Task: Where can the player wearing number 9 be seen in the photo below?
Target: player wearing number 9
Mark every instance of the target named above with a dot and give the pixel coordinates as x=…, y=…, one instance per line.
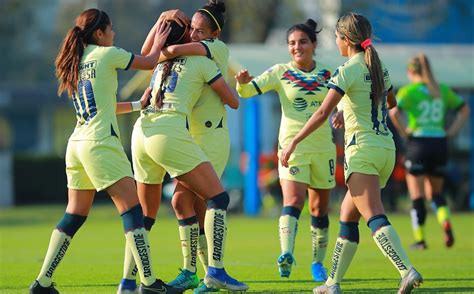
x=86, y=68
x=363, y=83
x=425, y=102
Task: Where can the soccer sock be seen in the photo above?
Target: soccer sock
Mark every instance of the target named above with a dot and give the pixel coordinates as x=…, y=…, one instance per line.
x=388, y=241
x=344, y=251
x=129, y=266
x=215, y=226
x=319, y=237
x=188, y=236
x=440, y=207
x=137, y=241
x=58, y=245
x=202, y=250
x=418, y=218
x=288, y=226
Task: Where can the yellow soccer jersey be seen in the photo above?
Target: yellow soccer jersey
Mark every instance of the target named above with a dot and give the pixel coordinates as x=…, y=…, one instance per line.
x=365, y=122
x=301, y=94
x=95, y=101
x=209, y=112
x=183, y=87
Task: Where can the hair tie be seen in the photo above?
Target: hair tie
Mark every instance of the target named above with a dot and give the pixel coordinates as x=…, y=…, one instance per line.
x=367, y=42
x=215, y=20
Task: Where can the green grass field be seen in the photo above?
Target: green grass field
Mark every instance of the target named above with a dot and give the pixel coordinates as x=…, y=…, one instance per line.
x=93, y=263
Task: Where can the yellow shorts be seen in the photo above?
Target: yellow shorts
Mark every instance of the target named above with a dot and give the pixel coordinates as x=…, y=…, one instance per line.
x=216, y=146
x=369, y=161
x=157, y=150
x=96, y=164
x=318, y=170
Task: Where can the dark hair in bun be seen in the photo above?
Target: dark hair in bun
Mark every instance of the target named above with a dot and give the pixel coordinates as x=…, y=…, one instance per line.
x=310, y=28
x=214, y=11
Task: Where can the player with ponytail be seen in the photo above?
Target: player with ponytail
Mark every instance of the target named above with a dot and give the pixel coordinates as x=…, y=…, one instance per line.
x=426, y=102
x=86, y=68
x=363, y=83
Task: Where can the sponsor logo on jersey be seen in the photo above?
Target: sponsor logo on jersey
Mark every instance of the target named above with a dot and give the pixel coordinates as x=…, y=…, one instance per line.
x=300, y=104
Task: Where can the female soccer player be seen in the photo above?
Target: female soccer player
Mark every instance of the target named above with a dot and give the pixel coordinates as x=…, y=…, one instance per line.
x=208, y=128
x=364, y=85
x=162, y=143
x=301, y=87
x=86, y=68
x=426, y=103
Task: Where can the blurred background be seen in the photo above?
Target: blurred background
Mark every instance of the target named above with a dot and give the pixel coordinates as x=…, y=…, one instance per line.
x=35, y=124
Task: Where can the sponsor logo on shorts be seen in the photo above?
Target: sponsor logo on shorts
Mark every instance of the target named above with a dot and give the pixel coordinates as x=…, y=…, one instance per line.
x=294, y=170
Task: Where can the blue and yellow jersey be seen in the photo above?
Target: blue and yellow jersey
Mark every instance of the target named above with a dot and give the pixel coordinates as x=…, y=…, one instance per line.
x=301, y=94
x=427, y=114
x=365, y=122
x=95, y=101
x=209, y=112
x=182, y=87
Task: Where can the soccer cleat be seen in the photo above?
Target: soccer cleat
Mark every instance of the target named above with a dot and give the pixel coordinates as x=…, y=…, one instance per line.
x=285, y=261
x=448, y=234
x=202, y=288
x=186, y=280
x=127, y=287
x=318, y=272
x=36, y=288
x=159, y=287
x=325, y=289
x=421, y=245
x=413, y=279
x=218, y=278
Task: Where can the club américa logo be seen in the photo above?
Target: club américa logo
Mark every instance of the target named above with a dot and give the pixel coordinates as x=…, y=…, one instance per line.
x=294, y=170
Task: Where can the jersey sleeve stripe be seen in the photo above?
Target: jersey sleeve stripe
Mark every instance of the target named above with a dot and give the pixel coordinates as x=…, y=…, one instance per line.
x=257, y=88
x=130, y=62
x=339, y=90
x=208, y=52
x=218, y=76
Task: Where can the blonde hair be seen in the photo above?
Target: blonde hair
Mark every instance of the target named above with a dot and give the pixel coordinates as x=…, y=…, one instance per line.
x=420, y=65
x=356, y=28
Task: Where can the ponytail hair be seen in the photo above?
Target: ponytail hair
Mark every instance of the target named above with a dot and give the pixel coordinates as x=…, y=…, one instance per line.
x=420, y=65
x=309, y=28
x=177, y=35
x=214, y=12
x=72, y=49
x=358, y=31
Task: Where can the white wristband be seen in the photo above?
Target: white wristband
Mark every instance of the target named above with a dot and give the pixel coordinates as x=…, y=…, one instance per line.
x=136, y=105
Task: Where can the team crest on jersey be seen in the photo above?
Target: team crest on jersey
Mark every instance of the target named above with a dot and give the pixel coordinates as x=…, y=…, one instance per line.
x=308, y=84
x=294, y=170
